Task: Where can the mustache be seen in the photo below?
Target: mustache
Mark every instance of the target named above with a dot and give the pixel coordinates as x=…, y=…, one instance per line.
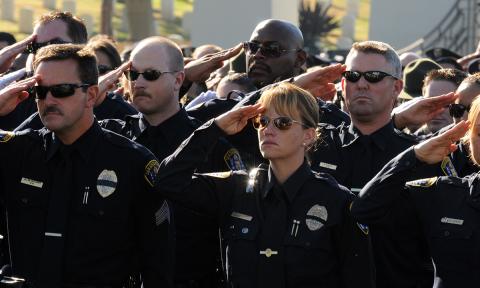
x=52, y=109
x=142, y=92
x=260, y=65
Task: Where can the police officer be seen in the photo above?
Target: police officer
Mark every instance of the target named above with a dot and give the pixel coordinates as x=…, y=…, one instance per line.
x=354, y=153
x=155, y=77
x=283, y=225
x=274, y=53
x=77, y=215
x=446, y=208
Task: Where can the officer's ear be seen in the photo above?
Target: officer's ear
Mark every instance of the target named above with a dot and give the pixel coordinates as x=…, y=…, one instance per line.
x=179, y=77
x=92, y=94
x=301, y=58
x=309, y=136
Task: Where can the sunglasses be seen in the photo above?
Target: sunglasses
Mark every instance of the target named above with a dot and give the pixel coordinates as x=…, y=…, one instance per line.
x=271, y=50
x=58, y=91
x=149, y=75
x=281, y=123
x=370, y=76
x=35, y=46
x=457, y=110
x=102, y=69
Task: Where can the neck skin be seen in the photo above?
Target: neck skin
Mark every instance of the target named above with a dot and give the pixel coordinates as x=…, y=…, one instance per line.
x=284, y=168
x=70, y=136
x=159, y=117
x=372, y=126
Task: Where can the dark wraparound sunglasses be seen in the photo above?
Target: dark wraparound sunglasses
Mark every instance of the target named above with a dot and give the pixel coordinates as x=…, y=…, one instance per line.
x=282, y=122
x=34, y=46
x=149, y=75
x=457, y=110
x=370, y=76
x=271, y=50
x=58, y=91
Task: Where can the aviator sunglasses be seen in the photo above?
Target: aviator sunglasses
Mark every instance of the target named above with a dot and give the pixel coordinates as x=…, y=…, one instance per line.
x=370, y=76
x=271, y=50
x=281, y=123
x=58, y=91
x=149, y=75
x=457, y=110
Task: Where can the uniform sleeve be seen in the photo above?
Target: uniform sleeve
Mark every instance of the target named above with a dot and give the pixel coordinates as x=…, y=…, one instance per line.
x=326, y=157
x=379, y=194
x=209, y=194
x=154, y=222
x=355, y=252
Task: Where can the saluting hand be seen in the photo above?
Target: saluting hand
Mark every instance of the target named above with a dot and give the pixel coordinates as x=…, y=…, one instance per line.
x=235, y=120
x=436, y=148
x=199, y=70
x=108, y=81
x=15, y=93
x=319, y=82
x=8, y=54
x=418, y=112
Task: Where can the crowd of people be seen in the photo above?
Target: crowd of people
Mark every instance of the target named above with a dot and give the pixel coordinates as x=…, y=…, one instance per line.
x=239, y=167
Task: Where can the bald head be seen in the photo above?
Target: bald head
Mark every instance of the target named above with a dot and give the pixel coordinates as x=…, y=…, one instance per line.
x=161, y=49
x=282, y=30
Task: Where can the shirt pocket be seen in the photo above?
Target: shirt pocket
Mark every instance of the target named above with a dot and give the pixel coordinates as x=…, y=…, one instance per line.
x=452, y=247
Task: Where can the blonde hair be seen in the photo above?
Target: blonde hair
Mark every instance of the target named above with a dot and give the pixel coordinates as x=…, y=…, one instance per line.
x=473, y=118
x=290, y=100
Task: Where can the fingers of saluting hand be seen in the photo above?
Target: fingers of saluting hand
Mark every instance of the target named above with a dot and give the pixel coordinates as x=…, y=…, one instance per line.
x=455, y=133
x=226, y=54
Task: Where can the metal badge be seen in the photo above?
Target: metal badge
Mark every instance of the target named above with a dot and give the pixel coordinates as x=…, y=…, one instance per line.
x=319, y=212
x=106, y=183
x=268, y=252
x=251, y=180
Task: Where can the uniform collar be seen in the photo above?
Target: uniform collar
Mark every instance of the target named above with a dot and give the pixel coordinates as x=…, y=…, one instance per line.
x=379, y=137
x=83, y=145
x=293, y=183
x=171, y=124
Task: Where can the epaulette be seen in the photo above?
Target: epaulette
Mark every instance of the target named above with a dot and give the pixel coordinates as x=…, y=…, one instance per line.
x=326, y=126
x=115, y=125
x=427, y=182
x=456, y=181
x=122, y=141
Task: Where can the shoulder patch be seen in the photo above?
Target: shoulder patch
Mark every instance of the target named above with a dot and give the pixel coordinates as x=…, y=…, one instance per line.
x=222, y=175
x=6, y=136
x=427, y=182
x=448, y=168
x=410, y=137
x=233, y=160
x=151, y=170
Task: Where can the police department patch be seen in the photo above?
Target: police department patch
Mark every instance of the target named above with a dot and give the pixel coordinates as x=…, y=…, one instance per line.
x=233, y=160
x=448, y=168
x=151, y=171
x=106, y=183
x=5, y=136
x=316, y=217
x=422, y=182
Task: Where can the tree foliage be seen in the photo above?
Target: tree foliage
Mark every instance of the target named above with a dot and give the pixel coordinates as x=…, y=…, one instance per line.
x=315, y=24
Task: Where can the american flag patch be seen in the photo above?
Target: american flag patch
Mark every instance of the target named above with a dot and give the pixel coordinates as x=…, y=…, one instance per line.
x=162, y=214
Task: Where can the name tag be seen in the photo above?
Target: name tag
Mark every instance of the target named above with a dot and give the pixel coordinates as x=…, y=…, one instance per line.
x=31, y=182
x=452, y=221
x=242, y=216
x=328, y=166
x=355, y=190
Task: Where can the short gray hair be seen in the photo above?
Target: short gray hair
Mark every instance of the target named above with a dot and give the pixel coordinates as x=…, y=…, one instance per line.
x=377, y=47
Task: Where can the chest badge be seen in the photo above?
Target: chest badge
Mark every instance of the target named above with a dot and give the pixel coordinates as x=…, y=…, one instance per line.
x=106, y=183
x=316, y=217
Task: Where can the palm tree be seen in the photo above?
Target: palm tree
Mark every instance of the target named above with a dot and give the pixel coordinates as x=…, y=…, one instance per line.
x=315, y=24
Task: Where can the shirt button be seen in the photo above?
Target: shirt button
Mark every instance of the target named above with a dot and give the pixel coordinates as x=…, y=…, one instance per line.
x=101, y=213
x=446, y=233
x=407, y=163
x=25, y=200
